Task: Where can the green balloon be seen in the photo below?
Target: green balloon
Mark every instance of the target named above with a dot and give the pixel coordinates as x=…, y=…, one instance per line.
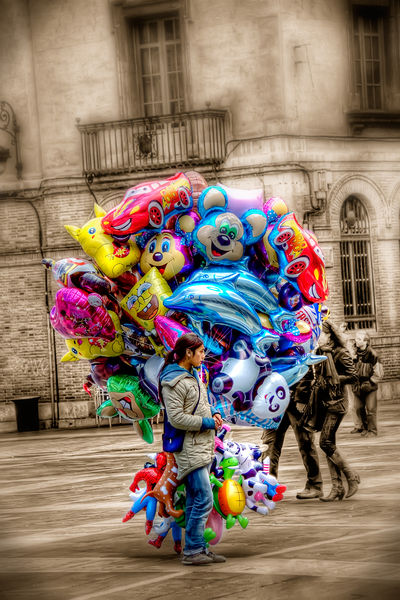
x=133, y=404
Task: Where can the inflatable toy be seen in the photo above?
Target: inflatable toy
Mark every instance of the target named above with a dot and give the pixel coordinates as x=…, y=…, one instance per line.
x=166, y=252
x=148, y=205
x=112, y=258
x=79, y=314
x=145, y=301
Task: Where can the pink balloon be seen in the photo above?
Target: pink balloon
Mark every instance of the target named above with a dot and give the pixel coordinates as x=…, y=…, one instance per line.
x=169, y=331
x=79, y=314
x=215, y=522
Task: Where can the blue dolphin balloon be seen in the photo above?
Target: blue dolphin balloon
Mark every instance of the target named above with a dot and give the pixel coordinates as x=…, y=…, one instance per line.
x=250, y=288
x=219, y=304
x=292, y=368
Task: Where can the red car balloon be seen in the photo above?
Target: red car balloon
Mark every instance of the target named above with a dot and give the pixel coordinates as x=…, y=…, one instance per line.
x=301, y=259
x=146, y=206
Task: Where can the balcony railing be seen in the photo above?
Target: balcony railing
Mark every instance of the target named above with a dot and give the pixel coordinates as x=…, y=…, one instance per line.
x=181, y=140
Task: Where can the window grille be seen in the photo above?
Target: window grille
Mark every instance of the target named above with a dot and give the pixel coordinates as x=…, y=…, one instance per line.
x=355, y=258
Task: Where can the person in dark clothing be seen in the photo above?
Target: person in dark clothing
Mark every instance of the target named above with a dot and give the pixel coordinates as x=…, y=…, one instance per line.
x=365, y=390
x=299, y=396
x=327, y=395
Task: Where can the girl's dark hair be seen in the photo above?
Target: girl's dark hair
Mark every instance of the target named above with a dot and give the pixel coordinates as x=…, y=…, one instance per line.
x=334, y=333
x=188, y=341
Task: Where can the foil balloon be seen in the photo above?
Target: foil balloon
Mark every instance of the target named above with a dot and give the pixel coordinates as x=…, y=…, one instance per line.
x=295, y=365
x=271, y=398
x=238, y=371
x=266, y=253
x=169, y=331
x=185, y=225
x=197, y=182
x=300, y=258
x=222, y=237
x=149, y=374
x=214, y=528
x=79, y=273
x=147, y=205
x=146, y=299
x=89, y=348
x=275, y=208
x=106, y=410
x=237, y=201
x=168, y=255
x=289, y=297
x=313, y=315
x=250, y=288
x=112, y=258
x=221, y=305
x=133, y=403
x=103, y=367
x=79, y=314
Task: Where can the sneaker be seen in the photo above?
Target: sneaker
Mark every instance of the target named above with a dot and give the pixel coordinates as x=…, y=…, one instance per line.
x=371, y=434
x=364, y=433
x=356, y=430
x=201, y=558
x=309, y=494
x=217, y=558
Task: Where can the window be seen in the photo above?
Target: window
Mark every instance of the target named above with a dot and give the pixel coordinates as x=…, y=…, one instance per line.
x=355, y=257
x=368, y=56
x=159, y=58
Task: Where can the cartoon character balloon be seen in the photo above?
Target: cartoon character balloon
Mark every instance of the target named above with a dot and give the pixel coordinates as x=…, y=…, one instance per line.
x=238, y=371
x=222, y=237
x=112, y=258
x=166, y=253
x=133, y=403
x=79, y=314
x=88, y=348
x=237, y=201
x=301, y=258
x=148, y=206
x=145, y=301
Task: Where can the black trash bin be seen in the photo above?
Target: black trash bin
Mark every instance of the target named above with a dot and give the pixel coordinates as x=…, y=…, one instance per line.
x=27, y=412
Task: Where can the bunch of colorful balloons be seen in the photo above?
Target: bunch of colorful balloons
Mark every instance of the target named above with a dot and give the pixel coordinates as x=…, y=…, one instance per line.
x=175, y=256
x=238, y=481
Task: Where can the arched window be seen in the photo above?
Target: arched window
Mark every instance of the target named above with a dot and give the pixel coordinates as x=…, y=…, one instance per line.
x=355, y=259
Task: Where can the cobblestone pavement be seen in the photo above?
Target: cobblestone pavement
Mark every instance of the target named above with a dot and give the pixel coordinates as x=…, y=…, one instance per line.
x=63, y=494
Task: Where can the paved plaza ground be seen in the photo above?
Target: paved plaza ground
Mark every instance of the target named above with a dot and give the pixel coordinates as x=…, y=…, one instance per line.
x=63, y=494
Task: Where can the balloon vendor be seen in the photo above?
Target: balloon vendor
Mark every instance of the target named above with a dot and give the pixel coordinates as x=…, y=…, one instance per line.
x=189, y=432
x=176, y=270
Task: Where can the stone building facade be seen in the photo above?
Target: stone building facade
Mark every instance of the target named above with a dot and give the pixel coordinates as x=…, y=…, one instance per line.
x=298, y=97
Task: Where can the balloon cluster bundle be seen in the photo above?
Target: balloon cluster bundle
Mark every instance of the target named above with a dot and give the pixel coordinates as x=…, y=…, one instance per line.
x=238, y=481
x=177, y=255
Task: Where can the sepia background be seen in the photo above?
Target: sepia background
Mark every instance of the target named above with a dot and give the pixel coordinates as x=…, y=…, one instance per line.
x=298, y=97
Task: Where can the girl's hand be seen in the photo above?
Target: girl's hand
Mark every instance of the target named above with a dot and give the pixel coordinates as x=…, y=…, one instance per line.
x=218, y=421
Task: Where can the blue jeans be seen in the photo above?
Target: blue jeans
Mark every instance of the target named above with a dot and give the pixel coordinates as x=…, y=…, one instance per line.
x=199, y=502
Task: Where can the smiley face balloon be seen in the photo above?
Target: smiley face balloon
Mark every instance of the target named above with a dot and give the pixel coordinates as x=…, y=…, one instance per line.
x=166, y=252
